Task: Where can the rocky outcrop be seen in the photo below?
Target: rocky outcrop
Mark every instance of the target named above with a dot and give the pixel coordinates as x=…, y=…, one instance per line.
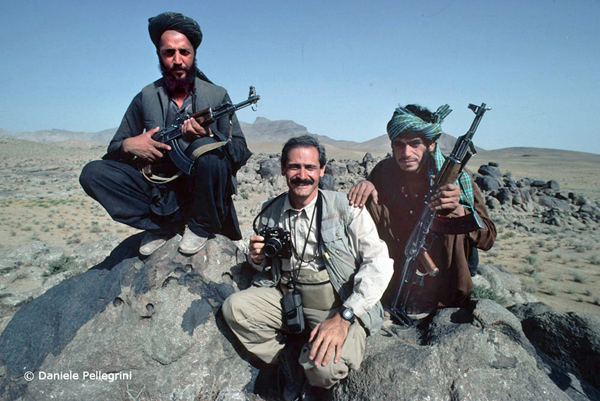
x=140, y=326
x=477, y=354
x=151, y=329
x=538, y=201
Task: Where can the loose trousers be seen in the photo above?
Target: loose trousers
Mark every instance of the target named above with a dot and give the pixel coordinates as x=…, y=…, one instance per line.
x=256, y=318
x=202, y=201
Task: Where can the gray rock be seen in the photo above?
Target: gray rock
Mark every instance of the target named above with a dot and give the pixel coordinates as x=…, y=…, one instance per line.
x=327, y=182
x=487, y=170
x=503, y=284
x=488, y=183
x=524, y=182
x=477, y=354
x=553, y=185
x=492, y=203
x=34, y=252
x=335, y=169
x=552, y=202
x=353, y=168
x=568, y=339
x=269, y=168
x=505, y=196
x=154, y=320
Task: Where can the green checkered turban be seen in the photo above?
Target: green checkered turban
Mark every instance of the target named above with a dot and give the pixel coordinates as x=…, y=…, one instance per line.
x=403, y=121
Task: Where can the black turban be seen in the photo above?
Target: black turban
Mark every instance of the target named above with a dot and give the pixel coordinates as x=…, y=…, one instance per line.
x=170, y=21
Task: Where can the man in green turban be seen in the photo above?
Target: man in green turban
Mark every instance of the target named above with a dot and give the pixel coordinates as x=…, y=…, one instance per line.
x=198, y=205
x=396, y=193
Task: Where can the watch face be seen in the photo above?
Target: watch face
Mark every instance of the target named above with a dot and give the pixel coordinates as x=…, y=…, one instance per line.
x=347, y=314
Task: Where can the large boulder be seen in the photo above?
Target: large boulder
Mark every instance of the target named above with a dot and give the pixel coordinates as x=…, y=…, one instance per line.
x=553, y=202
x=140, y=326
x=459, y=354
x=570, y=340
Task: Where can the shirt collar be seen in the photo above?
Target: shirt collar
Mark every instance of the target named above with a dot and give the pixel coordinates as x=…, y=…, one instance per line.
x=307, y=210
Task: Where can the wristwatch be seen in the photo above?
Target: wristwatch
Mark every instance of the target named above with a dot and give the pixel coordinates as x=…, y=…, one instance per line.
x=347, y=314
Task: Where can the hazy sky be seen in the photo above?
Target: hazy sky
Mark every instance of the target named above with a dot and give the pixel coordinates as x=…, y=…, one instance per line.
x=338, y=68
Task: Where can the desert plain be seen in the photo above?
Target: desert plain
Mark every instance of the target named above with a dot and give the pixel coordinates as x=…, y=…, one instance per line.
x=41, y=201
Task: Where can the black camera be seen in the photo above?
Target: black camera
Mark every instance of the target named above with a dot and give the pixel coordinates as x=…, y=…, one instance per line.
x=278, y=242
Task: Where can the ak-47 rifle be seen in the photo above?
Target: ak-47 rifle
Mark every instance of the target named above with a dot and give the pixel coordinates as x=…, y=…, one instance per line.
x=170, y=135
x=419, y=241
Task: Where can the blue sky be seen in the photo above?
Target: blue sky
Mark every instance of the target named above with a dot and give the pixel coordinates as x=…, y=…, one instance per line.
x=338, y=68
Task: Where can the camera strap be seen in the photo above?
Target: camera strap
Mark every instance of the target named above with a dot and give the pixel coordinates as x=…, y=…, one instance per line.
x=264, y=209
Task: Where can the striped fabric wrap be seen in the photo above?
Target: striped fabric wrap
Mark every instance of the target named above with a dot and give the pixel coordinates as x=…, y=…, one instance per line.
x=464, y=181
x=404, y=121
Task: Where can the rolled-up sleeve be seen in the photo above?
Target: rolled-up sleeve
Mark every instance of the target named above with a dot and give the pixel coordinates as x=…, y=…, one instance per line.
x=376, y=268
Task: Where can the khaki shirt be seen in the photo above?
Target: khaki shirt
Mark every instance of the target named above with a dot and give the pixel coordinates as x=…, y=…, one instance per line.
x=376, y=268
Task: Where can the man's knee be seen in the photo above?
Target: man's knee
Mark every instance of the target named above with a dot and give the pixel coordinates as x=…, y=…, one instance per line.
x=90, y=173
x=323, y=376
x=228, y=308
x=234, y=311
x=213, y=163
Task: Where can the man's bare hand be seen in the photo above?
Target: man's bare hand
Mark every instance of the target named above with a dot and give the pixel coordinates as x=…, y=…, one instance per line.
x=191, y=130
x=144, y=147
x=446, y=201
x=327, y=339
x=256, y=249
x=360, y=193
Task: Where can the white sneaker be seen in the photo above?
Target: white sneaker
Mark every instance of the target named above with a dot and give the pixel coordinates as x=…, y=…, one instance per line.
x=191, y=243
x=151, y=242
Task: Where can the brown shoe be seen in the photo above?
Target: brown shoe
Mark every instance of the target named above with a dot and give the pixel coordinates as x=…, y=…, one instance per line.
x=151, y=242
x=191, y=243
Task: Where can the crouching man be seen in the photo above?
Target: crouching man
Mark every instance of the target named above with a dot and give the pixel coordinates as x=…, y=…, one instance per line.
x=327, y=269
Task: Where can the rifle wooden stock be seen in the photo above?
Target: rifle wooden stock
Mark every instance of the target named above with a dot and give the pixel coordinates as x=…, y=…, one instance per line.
x=427, y=263
x=449, y=173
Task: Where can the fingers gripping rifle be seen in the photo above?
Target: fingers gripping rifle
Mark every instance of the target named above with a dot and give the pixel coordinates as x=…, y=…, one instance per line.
x=418, y=243
x=172, y=133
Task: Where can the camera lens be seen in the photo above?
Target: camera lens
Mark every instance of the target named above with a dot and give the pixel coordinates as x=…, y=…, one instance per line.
x=272, y=247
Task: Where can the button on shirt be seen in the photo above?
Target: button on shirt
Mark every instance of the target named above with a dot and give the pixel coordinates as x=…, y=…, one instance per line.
x=297, y=223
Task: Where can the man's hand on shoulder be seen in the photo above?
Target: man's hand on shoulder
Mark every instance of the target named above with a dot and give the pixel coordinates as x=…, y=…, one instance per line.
x=327, y=339
x=446, y=201
x=144, y=147
x=191, y=130
x=360, y=193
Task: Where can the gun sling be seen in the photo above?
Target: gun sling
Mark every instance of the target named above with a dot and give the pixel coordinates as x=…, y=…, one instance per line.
x=199, y=151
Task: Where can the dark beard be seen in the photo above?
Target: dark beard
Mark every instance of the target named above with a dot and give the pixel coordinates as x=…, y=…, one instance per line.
x=176, y=85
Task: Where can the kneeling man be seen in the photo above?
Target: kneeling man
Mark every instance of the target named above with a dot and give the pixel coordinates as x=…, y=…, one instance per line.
x=327, y=268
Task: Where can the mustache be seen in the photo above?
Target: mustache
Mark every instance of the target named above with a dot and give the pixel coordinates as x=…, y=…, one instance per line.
x=299, y=181
x=178, y=68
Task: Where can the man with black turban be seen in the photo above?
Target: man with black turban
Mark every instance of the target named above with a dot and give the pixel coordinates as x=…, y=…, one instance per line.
x=398, y=188
x=199, y=204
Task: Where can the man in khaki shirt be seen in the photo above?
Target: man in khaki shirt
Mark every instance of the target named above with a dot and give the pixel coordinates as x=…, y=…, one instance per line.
x=334, y=260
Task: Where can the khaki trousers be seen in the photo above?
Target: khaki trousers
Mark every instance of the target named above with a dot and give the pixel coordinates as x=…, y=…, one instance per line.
x=256, y=318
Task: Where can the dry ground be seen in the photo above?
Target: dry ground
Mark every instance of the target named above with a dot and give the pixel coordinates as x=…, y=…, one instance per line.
x=40, y=199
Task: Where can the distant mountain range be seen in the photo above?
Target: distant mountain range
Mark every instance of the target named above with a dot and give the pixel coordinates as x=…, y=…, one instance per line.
x=261, y=130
